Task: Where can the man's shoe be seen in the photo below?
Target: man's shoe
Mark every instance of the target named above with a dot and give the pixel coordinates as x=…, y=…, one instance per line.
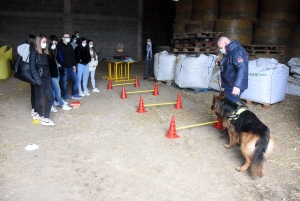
x=145, y=78
x=66, y=107
x=76, y=96
x=47, y=122
x=66, y=97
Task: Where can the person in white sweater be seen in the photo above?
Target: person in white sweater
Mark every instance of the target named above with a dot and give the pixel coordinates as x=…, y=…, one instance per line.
x=93, y=64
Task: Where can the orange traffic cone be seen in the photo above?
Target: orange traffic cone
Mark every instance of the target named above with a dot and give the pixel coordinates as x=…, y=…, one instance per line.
x=123, y=93
x=219, y=124
x=141, y=108
x=178, y=102
x=155, y=92
x=172, y=129
x=109, y=85
x=136, y=84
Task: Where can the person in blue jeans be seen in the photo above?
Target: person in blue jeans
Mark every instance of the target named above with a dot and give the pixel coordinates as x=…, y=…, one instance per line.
x=149, y=57
x=234, y=68
x=55, y=73
x=65, y=57
x=83, y=57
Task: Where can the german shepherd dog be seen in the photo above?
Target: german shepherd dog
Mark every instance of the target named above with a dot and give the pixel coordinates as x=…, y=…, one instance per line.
x=244, y=126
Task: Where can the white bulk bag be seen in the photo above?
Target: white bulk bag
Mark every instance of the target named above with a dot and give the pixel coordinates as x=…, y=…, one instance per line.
x=267, y=81
x=293, y=86
x=294, y=62
x=164, y=66
x=194, y=72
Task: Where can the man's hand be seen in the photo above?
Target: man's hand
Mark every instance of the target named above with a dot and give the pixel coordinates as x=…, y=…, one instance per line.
x=74, y=69
x=236, y=91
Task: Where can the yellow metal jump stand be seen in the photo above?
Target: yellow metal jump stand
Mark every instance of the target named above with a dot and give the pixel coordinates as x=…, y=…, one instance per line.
x=126, y=76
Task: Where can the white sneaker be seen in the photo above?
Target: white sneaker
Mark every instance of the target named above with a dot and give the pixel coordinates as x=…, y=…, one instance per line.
x=65, y=102
x=55, y=103
x=81, y=94
x=66, y=107
x=36, y=116
x=86, y=93
x=53, y=109
x=32, y=113
x=47, y=122
x=96, y=90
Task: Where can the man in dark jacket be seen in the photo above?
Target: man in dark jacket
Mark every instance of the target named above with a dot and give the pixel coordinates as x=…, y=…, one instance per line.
x=150, y=51
x=65, y=57
x=234, y=68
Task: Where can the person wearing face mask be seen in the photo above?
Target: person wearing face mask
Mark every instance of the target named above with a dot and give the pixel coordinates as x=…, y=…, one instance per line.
x=39, y=68
x=93, y=64
x=83, y=57
x=234, y=68
x=77, y=36
x=23, y=51
x=74, y=41
x=66, y=58
x=56, y=71
x=150, y=52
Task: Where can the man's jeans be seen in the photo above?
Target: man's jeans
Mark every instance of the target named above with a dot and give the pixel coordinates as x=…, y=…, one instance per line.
x=56, y=90
x=149, y=68
x=73, y=76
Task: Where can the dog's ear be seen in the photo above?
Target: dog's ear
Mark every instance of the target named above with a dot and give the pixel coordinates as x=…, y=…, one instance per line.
x=222, y=95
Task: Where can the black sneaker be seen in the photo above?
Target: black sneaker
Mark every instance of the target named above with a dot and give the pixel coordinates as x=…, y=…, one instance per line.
x=145, y=78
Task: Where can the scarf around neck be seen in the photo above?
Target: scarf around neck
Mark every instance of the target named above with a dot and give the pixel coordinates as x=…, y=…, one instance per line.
x=149, y=52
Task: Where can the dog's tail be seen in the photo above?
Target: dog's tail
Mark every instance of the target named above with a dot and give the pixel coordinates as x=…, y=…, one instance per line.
x=259, y=157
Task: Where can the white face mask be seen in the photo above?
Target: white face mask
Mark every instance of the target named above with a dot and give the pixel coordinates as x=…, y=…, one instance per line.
x=68, y=40
x=74, y=40
x=83, y=44
x=223, y=51
x=77, y=36
x=148, y=43
x=43, y=45
x=53, y=47
x=91, y=46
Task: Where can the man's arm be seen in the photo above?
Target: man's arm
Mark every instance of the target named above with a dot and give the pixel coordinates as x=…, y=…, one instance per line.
x=240, y=63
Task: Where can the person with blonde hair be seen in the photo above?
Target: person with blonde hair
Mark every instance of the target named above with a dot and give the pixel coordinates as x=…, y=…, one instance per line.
x=39, y=68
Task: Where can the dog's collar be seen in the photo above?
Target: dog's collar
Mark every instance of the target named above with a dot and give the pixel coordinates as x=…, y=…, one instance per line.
x=236, y=113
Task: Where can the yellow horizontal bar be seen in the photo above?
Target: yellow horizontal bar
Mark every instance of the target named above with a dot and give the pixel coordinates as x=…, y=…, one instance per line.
x=123, y=84
x=171, y=103
x=124, y=80
x=183, y=127
x=135, y=92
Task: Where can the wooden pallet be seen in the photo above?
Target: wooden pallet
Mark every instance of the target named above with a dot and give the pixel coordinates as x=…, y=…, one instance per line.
x=196, y=44
x=195, y=49
x=265, y=105
x=264, y=49
x=204, y=35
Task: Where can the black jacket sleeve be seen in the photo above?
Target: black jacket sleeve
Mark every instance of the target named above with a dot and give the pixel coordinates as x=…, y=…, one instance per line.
x=33, y=67
x=73, y=57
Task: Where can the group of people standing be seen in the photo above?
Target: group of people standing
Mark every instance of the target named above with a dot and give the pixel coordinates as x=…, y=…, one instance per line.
x=51, y=62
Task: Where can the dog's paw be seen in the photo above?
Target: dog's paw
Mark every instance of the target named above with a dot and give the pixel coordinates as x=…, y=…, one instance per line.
x=239, y=169
x=227, y=146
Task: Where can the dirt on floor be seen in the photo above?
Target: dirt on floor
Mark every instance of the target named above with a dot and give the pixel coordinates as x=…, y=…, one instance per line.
x=105, y=150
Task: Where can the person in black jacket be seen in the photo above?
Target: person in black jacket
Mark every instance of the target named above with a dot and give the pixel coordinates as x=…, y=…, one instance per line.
x=83, y=57
x=55, y=72
x=65, y=57
x=39, y=68
x=234, y=68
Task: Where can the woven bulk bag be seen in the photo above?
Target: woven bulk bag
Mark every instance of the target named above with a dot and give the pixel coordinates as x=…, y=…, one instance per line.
x=164, y=66
x=200, y=26
x=235, y=29
x=205, y=10
x=194, y=72
x=239, y=9
x=183, y=10
x=267, y=81
x=271, y=32
x=279, y=10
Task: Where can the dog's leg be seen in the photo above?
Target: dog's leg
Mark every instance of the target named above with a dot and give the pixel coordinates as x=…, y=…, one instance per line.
x=233, y=136
x=246, y=165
